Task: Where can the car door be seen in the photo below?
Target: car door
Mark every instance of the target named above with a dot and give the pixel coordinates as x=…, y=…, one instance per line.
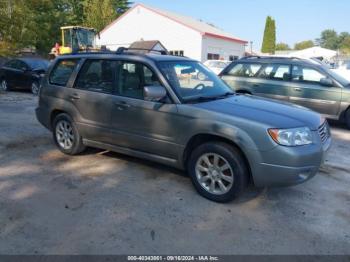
x=23, y=75
x=138, y=124
x=308, y=90
x=272, y=81
x=91, y=96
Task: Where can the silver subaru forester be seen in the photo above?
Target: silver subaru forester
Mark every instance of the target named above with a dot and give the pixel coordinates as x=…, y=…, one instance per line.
x=175, y=111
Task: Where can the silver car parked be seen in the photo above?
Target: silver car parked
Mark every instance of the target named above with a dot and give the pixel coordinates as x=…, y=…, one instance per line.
x=175, y=111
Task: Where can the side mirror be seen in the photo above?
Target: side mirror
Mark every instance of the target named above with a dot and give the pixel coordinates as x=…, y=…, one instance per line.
x=154, y=93
x=326, y=82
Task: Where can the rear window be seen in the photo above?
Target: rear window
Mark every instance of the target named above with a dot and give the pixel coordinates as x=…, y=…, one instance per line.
x=62, y=71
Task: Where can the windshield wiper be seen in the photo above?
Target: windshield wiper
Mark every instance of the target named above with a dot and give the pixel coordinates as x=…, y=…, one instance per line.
x=209, y=98
x=227, y=94
x=200, y=99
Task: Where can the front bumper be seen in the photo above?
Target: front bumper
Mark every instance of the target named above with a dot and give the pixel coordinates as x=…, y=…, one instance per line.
x=285, y=166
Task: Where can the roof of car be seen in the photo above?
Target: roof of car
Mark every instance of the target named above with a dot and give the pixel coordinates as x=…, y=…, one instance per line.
x=276, y=59
x=149, y=56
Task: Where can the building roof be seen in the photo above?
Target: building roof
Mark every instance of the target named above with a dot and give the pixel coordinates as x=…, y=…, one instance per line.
x=316, y=51
x=202, y=27
x=148, y=45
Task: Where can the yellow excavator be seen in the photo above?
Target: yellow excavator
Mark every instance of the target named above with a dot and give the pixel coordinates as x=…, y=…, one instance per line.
x=75, y=39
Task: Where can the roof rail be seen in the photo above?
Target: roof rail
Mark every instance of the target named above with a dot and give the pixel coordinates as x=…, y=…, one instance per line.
x=122, y=50
x=271, y=57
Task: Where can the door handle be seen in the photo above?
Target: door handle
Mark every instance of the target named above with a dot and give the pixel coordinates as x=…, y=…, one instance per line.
x=75, y=97
x=121, y=105
x=256, y=85
x=297, y=89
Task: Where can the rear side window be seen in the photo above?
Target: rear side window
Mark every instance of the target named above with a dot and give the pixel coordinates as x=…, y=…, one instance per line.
x=276, y=72
x=244, y=70
x=62, y=72
x=97, y=75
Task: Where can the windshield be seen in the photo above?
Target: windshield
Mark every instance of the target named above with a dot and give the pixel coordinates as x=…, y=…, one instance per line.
x=39, y=64
x=191, y=80
x=218, y=64
x=337, y=77
x=86, y=37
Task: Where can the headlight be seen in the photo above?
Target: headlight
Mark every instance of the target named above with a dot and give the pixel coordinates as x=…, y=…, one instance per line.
x=292, y=137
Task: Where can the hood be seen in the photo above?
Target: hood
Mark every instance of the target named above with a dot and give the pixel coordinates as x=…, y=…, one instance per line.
x=273, y=113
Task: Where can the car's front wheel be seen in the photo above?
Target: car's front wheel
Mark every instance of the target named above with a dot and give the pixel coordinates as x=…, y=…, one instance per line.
x=218, y=171
x=35, y=88
x=66, y=135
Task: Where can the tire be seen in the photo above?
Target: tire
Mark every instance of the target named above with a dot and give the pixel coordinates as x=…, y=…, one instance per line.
x=233, y=168
x=4, y=85
x=35, y=88
x=66, y=135
x=347, y=118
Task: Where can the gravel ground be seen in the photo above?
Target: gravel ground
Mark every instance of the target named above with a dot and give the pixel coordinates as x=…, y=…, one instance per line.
x=105, y=203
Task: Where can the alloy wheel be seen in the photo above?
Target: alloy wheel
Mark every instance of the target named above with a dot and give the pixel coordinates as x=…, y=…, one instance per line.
x=4, y=85
x=64, y=134
x=35, y=88
x=214, y=174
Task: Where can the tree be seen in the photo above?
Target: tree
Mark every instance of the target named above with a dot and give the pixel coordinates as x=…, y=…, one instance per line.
x=329, y=39
x=269, y=40
x=303, y=45
x=37, y=23
x=282, y=47
x=15, y=26
x=345, y=45
x=99, y=13
x=273, y=36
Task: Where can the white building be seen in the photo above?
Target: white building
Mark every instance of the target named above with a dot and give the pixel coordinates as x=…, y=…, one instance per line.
x=181, y=35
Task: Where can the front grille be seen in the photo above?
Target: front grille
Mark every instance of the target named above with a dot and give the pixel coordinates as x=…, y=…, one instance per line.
x=324, y=131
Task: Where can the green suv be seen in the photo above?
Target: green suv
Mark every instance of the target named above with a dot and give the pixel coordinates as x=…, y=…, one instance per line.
x=304, y=82
x=175, y=111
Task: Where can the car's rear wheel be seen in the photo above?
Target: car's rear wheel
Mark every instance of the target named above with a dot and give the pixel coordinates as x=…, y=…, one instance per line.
x=218, y=171
x=35, y=88
x=4, y=85
x=66, y=135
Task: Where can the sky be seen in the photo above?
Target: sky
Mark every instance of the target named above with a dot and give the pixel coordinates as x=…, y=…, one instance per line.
x=296, y=20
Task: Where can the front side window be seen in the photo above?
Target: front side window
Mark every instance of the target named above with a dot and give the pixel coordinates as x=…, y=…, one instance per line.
x=62, y=71
x=306, y=74
x=96, y=75
x=245, y=70
x=192, y=80
x=275, y=72
x=133, y=77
